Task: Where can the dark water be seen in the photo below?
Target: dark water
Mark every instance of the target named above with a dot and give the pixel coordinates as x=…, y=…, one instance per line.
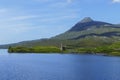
x=58, y=67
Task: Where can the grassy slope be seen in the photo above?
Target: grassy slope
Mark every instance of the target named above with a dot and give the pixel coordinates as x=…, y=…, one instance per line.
x=71, y=35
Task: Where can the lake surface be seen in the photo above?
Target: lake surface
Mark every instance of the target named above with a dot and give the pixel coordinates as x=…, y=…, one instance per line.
x=58, y=67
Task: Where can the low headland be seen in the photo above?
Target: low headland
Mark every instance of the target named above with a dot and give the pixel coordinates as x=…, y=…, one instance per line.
x=111, y=50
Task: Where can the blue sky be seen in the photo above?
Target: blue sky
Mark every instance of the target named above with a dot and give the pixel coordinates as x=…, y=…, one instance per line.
x=34, y=19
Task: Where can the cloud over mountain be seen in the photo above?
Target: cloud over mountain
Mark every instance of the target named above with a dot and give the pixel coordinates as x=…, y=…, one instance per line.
x=116, y=1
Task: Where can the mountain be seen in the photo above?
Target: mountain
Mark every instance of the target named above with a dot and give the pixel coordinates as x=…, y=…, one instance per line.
x=87, y=23
x=89, y=27
x=85, y=33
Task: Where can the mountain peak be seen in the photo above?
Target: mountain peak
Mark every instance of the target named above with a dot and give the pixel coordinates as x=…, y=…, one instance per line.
x=88, y=23
x=86, y=19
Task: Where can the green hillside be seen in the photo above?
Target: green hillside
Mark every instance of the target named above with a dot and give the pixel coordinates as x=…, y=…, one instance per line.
x=95, y=31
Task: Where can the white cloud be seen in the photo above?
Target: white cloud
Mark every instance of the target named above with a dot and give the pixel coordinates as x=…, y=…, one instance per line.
x=43, y=1
x=69, y=1
x=3, y=10
x=23, y=17
x=116, y=1
x=57, y=19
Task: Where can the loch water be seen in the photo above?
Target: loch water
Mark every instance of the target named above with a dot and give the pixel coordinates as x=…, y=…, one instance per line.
x=58, y=67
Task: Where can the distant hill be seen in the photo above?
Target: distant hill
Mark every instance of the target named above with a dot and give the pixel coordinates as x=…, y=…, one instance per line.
x=85, y=33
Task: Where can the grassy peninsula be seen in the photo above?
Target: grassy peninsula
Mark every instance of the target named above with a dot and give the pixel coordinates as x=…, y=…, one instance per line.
x=38, y=49
x=113, y=49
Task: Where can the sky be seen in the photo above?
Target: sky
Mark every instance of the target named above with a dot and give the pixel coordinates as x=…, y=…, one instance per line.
x=22, y=20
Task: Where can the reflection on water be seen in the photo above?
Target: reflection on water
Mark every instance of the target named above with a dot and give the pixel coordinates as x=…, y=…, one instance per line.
x=58, y=67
